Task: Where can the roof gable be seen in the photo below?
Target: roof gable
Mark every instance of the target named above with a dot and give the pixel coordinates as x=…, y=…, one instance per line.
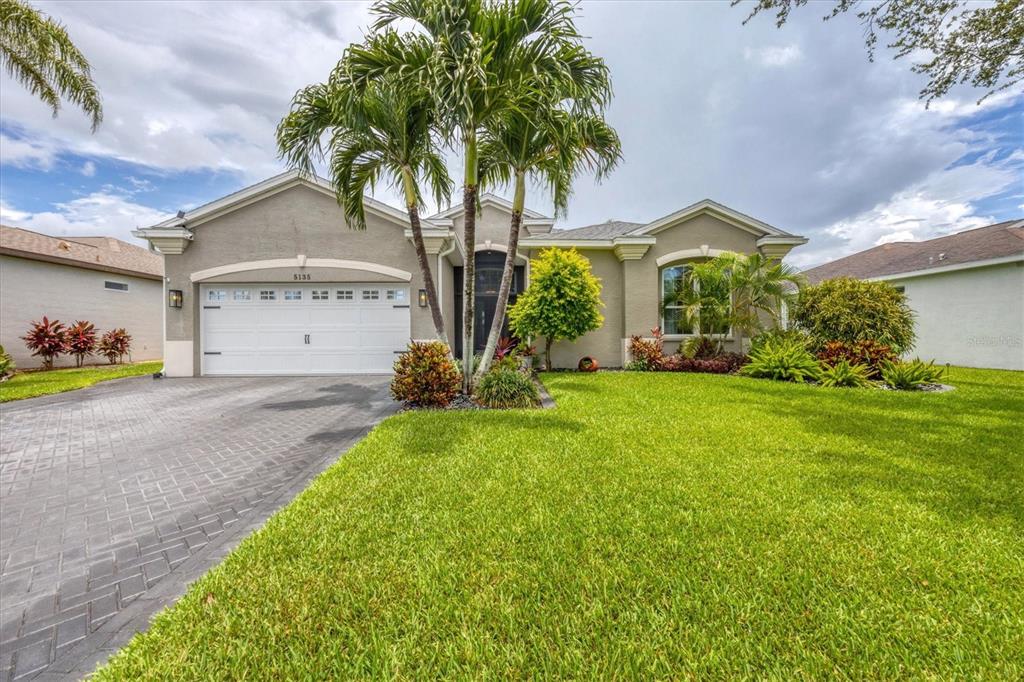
x=95, y=253
x=489, y=199
x=714, y=209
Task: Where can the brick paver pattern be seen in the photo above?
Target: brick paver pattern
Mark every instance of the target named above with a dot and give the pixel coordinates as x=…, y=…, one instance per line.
x=104, y=491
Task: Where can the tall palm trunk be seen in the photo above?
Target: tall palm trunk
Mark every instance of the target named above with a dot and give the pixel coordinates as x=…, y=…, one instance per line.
x=469, y=271
x=412, y=206
x=518, y=203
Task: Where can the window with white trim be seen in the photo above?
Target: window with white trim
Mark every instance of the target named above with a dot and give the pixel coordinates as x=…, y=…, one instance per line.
x=320, y=295
x=115, y=286
x=241, y=295
x=216, y=295
x=293, y=294
x=674, y=320
x=397, y=295
x=371, y=294
x=268, y=295
x=346, y=295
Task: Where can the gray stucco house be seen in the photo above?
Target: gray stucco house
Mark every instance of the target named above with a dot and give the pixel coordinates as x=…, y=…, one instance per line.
x=100, y=279
x=966, y=291
x=273, y=282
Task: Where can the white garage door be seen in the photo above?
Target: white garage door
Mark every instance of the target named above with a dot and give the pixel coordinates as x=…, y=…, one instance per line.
x=303, y=329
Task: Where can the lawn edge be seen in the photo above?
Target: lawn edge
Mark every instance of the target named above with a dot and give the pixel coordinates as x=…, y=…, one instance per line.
x=4, y=399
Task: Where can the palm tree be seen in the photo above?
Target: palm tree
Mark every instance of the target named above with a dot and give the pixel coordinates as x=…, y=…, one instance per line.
x=476, y=57
x=37, y=52
x=550, y=144
x=703, y=297
x=760, y=286
x=384, y=130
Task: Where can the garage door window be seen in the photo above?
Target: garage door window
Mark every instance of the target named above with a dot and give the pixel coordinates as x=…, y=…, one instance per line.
x=216, y=295
x=397, y=295
x=268, y=295
x=293, y=294
x=321, y=295
x=371, y=294
x=241, y=295
x=345, y=295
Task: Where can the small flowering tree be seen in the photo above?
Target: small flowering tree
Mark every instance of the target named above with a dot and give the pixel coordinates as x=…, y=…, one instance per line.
x=114, y=345
x=46, y=340
x=81, y=338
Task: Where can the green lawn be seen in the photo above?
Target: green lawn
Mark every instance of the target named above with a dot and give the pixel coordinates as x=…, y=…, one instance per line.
x=650, y=526
x=32, y=384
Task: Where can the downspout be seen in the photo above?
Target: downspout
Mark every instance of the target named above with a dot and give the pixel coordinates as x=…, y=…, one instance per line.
x=441, y=255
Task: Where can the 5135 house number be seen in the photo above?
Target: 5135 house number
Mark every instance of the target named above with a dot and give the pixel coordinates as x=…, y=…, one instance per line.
x=302, y=277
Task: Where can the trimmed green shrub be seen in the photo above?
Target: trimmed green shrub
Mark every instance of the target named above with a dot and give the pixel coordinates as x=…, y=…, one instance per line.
x=782, y=359
x=911, y=375
x=425, y=375
x=6, y=363
x=842, y=374
x=851, y=310
x=506, y=389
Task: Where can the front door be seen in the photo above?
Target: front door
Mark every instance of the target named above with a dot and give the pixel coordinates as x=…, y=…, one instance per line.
x=489, y=266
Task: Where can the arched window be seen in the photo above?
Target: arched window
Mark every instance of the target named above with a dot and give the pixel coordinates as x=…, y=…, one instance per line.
x=676, y=279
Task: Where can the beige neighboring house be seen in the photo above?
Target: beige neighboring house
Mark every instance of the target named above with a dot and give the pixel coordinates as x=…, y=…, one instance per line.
x=100, y=279
x=966, y=290
x=272, y=280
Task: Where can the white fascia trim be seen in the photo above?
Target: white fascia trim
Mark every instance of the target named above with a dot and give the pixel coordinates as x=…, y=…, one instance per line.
x=148, y=232
x=587, y=243
x=730, y=216
x=300, y=262
x=1019, y=257
x=778, y=239
x=703, y=252
x=488, y=199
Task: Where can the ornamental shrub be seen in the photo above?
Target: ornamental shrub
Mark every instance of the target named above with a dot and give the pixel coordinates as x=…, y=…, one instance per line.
x=681, y=363
x=699, y=347
x=562, y=301
x=912, y=375
x=851, y=310
x=842, y=374
x=47, y=340
x=782, y=359
x=6, y=364
x=646, y=354
x=81, y=338
x=868, y=352
x=425, y=375
x=114, y=345
x=505, y=389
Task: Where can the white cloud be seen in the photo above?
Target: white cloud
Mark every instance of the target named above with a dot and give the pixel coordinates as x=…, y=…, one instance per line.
x=28, y=153
x=104, y=213
x=88, y=169
x=773, y=56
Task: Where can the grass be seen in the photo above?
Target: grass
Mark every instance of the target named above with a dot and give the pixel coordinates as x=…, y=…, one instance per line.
x=32, y=384
x=651, y=526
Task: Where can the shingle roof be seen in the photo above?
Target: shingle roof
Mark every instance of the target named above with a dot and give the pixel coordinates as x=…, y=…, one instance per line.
x=607, y=230
x=979, y=244
x=95, y=253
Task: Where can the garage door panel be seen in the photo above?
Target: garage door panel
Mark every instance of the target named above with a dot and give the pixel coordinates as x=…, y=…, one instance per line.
x=282, y=316
x=229, y=339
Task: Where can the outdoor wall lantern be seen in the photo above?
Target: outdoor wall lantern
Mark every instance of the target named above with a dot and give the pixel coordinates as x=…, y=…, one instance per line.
x=174, y=298
x=423, y=298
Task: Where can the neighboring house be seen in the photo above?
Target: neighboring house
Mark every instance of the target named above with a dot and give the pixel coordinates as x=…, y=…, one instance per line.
x=100, y=279
x=967, y=291
x=272, y=280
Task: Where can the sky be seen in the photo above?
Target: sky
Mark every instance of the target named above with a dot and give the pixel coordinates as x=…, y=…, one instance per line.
x=794, y=126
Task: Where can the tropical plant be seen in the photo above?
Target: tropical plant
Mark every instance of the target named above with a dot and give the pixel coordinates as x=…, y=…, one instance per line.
x=47, y=340
x=476, y=58
x=681, y=363
x=81, y=340
x=381, y=131
x=6, y=364
x=867, y=352
x=539, y=139
x=700, y=347
x=851, y=310
x=759, y=287
x=504, y=389
x=37, y=51
x=426, y=375
x=782, y=359
x=911, y=375
x=646, y=354
x=842, y=374
x=114, y=345
x=562, y=302
x=703, y=297
x=778, y=335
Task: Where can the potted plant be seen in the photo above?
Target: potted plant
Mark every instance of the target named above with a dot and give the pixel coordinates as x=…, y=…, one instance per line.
x=587, y=364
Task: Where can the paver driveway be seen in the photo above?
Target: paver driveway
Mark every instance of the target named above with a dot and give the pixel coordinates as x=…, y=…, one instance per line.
x=107, y=490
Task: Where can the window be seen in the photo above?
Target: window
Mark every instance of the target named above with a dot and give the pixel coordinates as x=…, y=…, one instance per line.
x=293, y=294
x=397, y=295
x=674, y=279
x=268, y=295
x=321, y=295
x=345, y=294
x=371, y=294
x=216, y=295
x=115, y=286
x=241, y=295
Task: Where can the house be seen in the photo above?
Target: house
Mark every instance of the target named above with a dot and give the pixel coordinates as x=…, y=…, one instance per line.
x=100, y=279
x=966, y=289
x=270, y=280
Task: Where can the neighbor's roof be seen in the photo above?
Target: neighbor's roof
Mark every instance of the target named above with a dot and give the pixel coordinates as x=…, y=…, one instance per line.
x=606, y=230
x=1002, y=240
x=94, y=253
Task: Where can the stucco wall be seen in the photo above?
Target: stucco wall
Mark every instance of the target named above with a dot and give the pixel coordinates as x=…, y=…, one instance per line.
x=491, y=224
x=973, y=318
x=31, y=289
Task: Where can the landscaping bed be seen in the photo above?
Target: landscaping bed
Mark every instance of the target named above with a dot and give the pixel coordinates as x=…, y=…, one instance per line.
x=653, y=525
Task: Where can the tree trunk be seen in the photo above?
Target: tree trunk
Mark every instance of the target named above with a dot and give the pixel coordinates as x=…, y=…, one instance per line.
x=506, y=277
x=547, y=353
x=421, y=256
x=469, y=270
